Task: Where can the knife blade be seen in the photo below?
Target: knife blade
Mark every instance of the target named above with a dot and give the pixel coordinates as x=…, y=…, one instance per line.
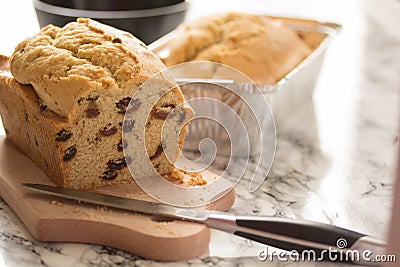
x=283, y=233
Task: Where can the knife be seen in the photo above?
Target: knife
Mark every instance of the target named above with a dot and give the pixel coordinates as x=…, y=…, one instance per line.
x=328, y=242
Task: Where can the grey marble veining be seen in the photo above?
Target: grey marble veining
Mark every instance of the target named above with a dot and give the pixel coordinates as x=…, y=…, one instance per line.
x=346, y=182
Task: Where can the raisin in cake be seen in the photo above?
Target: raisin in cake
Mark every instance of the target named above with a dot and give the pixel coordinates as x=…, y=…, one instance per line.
x=65, y=101
x=259, y=47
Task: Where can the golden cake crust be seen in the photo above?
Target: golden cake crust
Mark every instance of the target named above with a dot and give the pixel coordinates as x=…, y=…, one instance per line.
x=258, y=46
x=62, y=63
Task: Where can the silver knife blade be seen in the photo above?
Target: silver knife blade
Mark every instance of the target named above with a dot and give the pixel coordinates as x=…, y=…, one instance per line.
x=135, y=205
x=281, y=232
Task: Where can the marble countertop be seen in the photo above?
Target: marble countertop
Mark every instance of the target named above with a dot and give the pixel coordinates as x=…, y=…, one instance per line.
x=336, y=157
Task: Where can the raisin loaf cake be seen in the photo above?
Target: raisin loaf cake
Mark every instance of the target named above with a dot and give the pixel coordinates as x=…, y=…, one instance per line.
x=259, y=47
x=63, y=103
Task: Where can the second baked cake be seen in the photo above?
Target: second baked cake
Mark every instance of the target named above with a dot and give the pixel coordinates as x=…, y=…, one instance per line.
x=260, y=47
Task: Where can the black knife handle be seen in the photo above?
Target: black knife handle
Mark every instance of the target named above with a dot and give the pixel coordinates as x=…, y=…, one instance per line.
x=328, y=242
x=315, y=232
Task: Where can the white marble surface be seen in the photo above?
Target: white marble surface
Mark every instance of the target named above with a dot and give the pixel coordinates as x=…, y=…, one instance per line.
x=335, y=160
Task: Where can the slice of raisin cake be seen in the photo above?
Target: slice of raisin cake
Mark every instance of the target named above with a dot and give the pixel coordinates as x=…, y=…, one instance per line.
x=65, y=102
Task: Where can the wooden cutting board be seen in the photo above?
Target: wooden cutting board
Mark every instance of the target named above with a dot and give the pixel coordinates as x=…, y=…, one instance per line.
x=55, y=219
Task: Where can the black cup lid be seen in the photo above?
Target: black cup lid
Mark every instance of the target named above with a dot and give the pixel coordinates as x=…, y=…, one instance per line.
x=112, y=5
